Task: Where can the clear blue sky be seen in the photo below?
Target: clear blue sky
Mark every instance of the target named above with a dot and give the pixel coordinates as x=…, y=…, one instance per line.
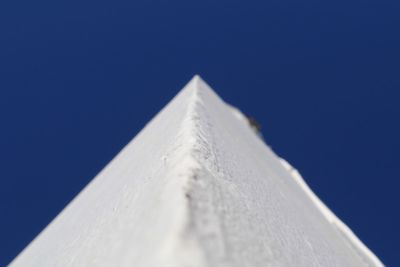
x=78, y=79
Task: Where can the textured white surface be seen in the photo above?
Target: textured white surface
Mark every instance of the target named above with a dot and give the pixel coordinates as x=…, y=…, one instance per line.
x=196, y=187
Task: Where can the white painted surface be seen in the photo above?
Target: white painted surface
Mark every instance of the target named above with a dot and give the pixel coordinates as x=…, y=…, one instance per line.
x=197, y=188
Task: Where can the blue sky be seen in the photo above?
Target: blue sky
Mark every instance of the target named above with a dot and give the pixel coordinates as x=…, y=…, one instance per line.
x=78, y=80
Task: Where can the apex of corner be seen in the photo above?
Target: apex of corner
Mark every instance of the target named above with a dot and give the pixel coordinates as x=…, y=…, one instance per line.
x=198, y=88
x=196, y=80
x=196, y=77
x=198, y=83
